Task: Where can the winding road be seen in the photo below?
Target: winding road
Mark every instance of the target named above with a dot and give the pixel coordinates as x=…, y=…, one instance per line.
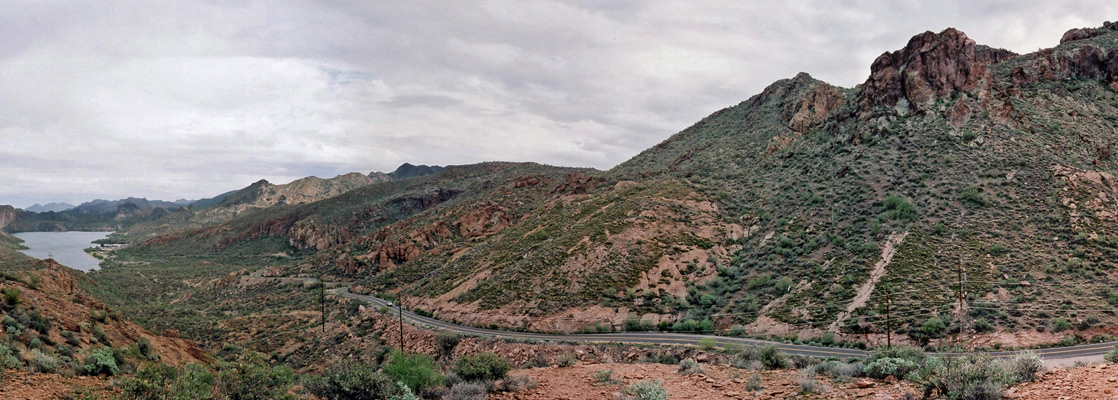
x=1049, y=354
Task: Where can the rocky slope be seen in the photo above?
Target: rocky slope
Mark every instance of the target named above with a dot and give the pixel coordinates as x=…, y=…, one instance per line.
x=991, y=171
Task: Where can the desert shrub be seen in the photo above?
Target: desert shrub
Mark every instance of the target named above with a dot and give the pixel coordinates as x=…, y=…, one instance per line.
x=808, y=384
x=144, y=348
x=972, y=196
x=71, y=338
x=566, y=360
x=604, y=376
x=43, y=362
x=100, y=361
x=163, y=382
x=1110, y=357
x=447, y=342
x=11, y=296
x=707, y=344
x=934, y=327
x=690, y=367
x=753, y=384
x=1060, y=324
x=417, y=371
x=883, y=367
x=484, y=366
x=517, y=383
x=898, y=208
x=982, y=325
x=1025, y=366
x=352, y=380
x=7, y=358
x=772, y=358
x=971, y=377
x=646, y=390
x=905, y=352
x=467, y=391
x=253, y=379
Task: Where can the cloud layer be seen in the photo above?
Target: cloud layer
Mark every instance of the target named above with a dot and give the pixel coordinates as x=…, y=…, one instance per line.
x=172, y=100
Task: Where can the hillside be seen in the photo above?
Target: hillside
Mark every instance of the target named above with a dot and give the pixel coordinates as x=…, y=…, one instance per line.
x=955, y=168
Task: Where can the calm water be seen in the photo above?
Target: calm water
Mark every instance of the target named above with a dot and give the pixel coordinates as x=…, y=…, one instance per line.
x=68, y=248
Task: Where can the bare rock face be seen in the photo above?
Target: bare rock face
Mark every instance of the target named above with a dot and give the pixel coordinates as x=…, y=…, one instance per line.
x=485, y=220
x=7, y=215
x=813, y=107
x=930, y=67
x=1075, y=60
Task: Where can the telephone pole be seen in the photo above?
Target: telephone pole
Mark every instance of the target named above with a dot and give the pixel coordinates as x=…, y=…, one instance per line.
x=401, y=310
x=322, y=300
x=888, y=317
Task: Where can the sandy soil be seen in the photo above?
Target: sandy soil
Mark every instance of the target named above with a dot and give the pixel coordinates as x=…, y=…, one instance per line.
x=1083, y=383
x=717, y=382
x=29, y=386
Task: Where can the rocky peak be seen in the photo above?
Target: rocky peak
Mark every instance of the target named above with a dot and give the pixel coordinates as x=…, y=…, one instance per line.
x=929, y=67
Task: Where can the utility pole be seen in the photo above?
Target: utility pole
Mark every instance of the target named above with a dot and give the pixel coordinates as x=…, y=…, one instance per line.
x=322, y=300
x=401, y=310
x=888, y=317
x=961, y=295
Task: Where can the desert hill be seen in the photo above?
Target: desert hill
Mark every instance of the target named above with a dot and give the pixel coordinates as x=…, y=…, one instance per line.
x=955, y=168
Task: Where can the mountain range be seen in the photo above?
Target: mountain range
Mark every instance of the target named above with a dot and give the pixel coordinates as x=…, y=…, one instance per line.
x=970, y=188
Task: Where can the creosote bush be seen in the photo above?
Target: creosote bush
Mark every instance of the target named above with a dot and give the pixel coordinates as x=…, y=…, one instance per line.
x=484, y=366
x=646, y=390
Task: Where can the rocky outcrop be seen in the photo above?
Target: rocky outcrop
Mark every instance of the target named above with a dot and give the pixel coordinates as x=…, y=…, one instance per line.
x=932, y=66
x=487, y=219
x=577, y=184
x=1083, y=60
x=1091, y=197
x=7, y=215
x=804, y=111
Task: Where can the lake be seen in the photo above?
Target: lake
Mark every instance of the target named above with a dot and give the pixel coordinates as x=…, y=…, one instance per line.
x=68, y=248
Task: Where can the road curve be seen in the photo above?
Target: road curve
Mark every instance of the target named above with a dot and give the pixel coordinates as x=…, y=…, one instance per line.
x=1085, y=350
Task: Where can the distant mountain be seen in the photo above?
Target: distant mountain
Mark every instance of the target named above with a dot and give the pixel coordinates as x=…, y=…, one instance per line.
x=55, y=207
x=406, y=171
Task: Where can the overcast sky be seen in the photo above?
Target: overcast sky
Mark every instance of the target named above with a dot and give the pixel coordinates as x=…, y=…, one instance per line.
x=168, y=100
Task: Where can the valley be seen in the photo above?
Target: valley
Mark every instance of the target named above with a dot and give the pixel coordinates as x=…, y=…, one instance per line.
x=956, y=208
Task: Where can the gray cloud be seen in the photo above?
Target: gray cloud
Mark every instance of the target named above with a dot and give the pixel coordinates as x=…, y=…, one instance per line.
x=189, y=99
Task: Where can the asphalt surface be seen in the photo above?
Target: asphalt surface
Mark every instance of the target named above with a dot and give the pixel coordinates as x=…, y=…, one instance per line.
x=1085, y=350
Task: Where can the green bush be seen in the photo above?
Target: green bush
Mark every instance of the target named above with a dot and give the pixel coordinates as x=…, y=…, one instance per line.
x=11, y=296
x=883, y=367
x=898, y=208
x=100, y=361
x=162, y=382
x=1110, y=357
x=754, y=383
x=972, y=196
x=971, y=377
x=904, y=352
x=934, y=327
x=1025, y=365
x=43, y=362
x=417, y=371
x=772, y=358
x=484, y=366
x=1060, y=324
x=8, y=360
x=646, y=390
x=352, y=380
x=253, y=379
x=604, y=376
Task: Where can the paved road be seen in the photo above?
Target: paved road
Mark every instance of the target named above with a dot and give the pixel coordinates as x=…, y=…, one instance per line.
x=1086, y=350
